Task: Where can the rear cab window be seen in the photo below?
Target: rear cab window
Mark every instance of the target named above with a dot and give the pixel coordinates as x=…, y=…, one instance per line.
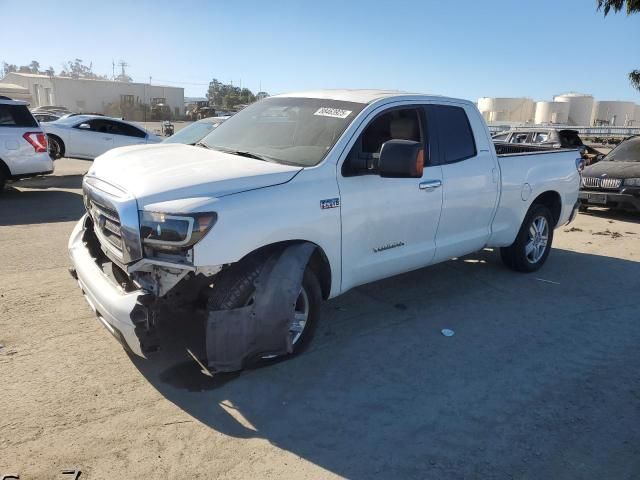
x=540, y=137
x=455, y=136
x=16, y=116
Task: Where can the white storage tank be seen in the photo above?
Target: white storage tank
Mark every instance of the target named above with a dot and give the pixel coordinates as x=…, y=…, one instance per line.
x=552, y=112
x=506, y=109
x=580, y=107
x=613, y=113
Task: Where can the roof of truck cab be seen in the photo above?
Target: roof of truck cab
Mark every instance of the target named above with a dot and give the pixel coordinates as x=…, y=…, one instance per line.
x=362, y=96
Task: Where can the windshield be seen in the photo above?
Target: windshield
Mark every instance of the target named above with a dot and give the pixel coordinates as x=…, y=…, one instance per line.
x=193, y=133
x=627, y=151
x=289, y=130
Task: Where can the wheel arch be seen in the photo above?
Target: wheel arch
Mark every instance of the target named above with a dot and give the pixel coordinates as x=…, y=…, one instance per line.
x=60, y=142
x=552, y=200
x=319, y=262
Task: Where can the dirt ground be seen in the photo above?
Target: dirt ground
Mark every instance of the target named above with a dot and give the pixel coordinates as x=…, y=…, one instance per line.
x=540, y=380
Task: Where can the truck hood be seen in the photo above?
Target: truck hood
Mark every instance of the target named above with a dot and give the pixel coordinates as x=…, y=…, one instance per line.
x=164, y=172
x=613, y=169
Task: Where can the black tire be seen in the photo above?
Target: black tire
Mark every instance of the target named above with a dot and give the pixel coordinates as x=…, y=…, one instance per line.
x=235, y=287
x=515, y=256
x=3, y=180
x=56, y=147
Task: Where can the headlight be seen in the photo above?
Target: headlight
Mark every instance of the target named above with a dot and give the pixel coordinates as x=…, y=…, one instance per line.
x=632, y=182
x=174, y=231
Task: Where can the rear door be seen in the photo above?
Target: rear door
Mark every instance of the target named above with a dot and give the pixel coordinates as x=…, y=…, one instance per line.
x=125, y=134
x=91, y=138
x=470, y=179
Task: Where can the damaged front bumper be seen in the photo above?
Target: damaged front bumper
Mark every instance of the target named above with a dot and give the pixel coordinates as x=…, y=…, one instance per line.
x=127, y=312
x=113, y=306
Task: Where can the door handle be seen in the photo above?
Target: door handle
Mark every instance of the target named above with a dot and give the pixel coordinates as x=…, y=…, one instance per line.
x=430, y=185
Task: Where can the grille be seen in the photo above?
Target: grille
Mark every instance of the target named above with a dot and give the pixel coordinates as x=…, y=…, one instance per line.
x=607, y=183
x=107, y=221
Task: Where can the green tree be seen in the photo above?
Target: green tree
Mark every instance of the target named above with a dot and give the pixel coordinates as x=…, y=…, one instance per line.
x=77, y=69
x=34, y=66
x=226, y=95
x=8, y=68
x=630, y=7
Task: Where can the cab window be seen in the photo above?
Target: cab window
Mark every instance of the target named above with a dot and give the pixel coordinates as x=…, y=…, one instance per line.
x=397, y=124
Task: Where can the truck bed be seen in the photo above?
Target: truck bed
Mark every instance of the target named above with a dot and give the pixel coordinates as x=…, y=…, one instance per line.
x=505, y=149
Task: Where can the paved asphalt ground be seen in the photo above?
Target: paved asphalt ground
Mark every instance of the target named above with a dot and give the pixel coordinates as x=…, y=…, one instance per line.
x=540, y=381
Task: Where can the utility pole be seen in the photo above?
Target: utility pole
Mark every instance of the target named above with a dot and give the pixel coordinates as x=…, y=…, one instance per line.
x=122, y=64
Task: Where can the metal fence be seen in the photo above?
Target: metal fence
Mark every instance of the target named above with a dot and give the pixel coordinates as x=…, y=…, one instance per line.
x=615, y=132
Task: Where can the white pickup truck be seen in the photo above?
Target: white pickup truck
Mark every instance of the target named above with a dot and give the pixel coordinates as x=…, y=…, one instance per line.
x=299, y=198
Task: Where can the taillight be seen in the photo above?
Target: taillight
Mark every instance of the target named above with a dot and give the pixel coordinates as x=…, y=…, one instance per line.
x=38, y=141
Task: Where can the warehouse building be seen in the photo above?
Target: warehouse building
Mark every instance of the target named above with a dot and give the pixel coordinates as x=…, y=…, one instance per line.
x=98, y=96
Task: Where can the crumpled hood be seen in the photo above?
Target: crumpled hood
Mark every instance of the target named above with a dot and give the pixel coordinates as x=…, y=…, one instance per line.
x=165, y=172
x=613, y=169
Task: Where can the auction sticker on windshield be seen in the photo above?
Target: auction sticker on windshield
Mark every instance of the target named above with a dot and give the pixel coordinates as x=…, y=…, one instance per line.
x=332, y=112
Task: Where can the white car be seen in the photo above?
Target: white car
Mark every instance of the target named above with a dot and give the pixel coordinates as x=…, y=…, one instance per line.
x=87, y=136
x=23, y=144
x=299, y=198
x=192, y=134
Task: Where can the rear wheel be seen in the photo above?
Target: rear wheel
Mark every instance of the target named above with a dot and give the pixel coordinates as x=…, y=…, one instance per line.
x=532, y=245
x=236, y=289
x=56, y=148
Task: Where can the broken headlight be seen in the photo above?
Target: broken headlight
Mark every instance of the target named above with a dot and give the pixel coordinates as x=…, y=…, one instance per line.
x=165, y=230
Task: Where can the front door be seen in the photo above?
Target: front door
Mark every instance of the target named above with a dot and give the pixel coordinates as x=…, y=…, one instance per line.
x=388, y=224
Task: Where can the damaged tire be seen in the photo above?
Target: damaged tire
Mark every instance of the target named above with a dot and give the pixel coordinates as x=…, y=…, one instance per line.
x=532, y=245
x=236, y=287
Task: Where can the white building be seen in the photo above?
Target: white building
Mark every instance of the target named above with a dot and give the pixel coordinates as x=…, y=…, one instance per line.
x=98, y=96
x=552, y=112
x=505, y=109
x=580, y=107
x=15, y=92
x=613, y=113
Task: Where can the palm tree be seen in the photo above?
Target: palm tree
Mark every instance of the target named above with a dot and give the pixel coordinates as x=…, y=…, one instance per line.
x=631, y=7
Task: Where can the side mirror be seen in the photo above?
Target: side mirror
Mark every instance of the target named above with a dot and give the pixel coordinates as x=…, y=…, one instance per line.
x=401, y=159
x=84, y=126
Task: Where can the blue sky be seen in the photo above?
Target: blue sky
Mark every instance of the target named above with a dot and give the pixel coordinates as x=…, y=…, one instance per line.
x=463, y=48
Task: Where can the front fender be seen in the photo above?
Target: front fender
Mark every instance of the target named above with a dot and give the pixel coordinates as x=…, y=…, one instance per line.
x=251, y=220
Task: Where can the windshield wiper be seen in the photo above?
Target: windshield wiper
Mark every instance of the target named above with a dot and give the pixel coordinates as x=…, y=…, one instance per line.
x=202, y=144
x=253, y=155
x=244, y=153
